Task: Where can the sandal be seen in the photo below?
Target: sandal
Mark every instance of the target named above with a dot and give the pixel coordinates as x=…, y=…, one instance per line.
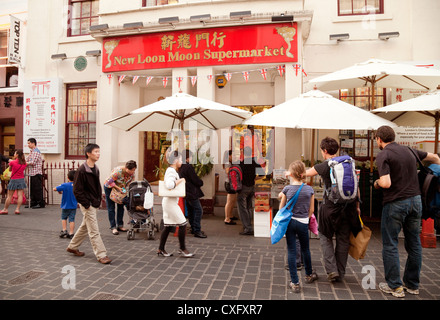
x=115, y=231
x=17, y=212
x=4, y=212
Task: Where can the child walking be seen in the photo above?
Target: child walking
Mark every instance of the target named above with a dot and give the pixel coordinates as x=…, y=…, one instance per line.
x=299, y=224
x=68, y=205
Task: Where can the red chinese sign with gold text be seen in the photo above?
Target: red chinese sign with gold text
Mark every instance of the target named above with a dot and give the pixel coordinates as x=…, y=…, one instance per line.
x=268, y=43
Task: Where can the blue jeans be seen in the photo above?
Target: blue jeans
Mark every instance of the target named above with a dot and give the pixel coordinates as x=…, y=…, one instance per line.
x=301, y=230
x=195, y=213
x=111, y=210
x=403, y=214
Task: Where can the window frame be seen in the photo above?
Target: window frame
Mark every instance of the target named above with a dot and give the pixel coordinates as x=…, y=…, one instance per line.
x=161, y=3
x=80, y=18
x=380, y=11
x=67, y=139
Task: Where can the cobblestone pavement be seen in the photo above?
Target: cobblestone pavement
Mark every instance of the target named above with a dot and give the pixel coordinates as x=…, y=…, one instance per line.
x=227, y=266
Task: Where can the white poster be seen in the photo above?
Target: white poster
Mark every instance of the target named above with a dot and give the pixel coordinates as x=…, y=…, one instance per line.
x=16, y=41
x=42, y=114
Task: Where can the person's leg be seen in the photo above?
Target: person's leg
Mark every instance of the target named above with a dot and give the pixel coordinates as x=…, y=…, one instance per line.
x=80, y=234
x=19, y=199
x=302, y=231
x=291, y=251
x=250, y=208
x=391, y=224
x=242, y=208
x=411, y=230
x=197, y=215
x=164, y=237
x=231, y=199
x=110, y=208
x=93, y=231
x=190, y=214
x=120, y=217
x=328, y=253
x=342, y=246
x=34, y=187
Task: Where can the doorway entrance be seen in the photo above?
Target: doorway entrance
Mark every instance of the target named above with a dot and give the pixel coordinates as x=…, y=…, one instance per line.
x=151, y=155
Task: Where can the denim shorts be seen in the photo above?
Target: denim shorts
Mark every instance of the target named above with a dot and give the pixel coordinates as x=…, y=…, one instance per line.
x=68, y=213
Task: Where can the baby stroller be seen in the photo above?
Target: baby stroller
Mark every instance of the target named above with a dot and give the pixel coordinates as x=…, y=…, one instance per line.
x=141, y=219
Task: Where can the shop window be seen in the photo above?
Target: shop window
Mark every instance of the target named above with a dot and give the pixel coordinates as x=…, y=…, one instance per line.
x=153, y=3
x=358, y=7
x=80, y=119
x=356, y=143
x=82, y=15
x=8, y=70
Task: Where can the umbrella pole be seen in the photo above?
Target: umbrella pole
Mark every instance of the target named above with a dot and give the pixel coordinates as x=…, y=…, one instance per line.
x=372, y=107
x=312, y=160
x=437, y=116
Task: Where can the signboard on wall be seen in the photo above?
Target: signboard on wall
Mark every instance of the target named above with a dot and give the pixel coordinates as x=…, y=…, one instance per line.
x=42, y=114
x=250, y=44
x=16, y=41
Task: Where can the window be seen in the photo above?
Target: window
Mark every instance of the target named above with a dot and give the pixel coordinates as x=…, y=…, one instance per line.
x=360, y=97
x=81, y=119
x=82, y=15
x=153, y=3
x=355, y=7
x=357, y=143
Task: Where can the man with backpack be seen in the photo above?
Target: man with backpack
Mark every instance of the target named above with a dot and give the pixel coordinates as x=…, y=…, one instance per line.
x=336, y=217
x=402, y=209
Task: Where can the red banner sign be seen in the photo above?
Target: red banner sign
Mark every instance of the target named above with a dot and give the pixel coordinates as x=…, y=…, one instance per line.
x=268, y=43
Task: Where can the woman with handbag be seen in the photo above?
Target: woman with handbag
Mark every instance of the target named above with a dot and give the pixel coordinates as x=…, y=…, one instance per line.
x=299, y=223
x=172, y=213
x=16, y=183
x=115, y=189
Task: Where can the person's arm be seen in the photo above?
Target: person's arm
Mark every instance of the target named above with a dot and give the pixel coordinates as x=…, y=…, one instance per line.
x=78, y=190
x=311, y=172
x=432, y=158
x=283, y=200
x=312, y=205
x=383, y=182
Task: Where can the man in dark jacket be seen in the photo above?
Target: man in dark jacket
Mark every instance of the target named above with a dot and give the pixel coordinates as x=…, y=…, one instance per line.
x=193, y=195
x=88, y=193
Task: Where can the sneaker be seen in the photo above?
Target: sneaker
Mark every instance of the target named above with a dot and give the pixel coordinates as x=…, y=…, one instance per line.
x=397, y=292
x=295, y=287
x=312, y=277
x=333, y=277
x=411, y=291
x=63, y=234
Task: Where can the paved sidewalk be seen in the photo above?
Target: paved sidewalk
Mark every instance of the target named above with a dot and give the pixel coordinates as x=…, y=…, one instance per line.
x=227, y=266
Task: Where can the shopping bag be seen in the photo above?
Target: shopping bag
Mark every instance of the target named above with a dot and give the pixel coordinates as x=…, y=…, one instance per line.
x=14, y=199
x=6, y=176
x=313, y=224
x=148, y=199
x=282, y=219
x=359, y=244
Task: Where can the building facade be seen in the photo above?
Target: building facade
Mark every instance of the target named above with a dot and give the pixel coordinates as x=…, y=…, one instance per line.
x=105, y=58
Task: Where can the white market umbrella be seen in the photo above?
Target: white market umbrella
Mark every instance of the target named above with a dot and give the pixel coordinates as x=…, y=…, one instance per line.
x=387, y=74
x=318, y=110
x=176, y=111
x=422, y=111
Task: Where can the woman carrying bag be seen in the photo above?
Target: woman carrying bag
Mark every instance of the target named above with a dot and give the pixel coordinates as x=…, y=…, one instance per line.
x=115, y=189
x=16, y=183
x=172, y=213
x=299, y=223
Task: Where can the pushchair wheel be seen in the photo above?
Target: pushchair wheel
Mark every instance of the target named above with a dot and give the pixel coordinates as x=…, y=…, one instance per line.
x=130, y=235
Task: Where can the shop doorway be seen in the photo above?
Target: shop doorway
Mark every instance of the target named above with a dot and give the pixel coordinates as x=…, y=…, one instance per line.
x=151, y=156
x=7, y=147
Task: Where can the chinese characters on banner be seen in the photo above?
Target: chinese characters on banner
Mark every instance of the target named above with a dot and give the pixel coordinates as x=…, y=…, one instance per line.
x=42, y=114
x=268, y=43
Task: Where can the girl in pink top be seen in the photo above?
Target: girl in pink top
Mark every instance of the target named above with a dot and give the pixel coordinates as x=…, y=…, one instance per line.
x=17, y=183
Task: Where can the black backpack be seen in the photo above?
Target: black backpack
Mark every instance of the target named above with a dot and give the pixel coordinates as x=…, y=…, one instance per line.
x=429, y=186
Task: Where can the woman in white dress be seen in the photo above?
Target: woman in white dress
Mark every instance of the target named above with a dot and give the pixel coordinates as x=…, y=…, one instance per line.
x=172, y=213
